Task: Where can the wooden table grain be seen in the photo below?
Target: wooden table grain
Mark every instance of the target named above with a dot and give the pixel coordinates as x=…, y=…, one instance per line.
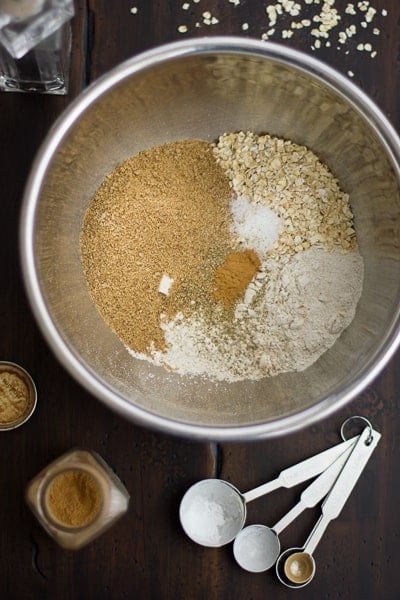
x=146, y=555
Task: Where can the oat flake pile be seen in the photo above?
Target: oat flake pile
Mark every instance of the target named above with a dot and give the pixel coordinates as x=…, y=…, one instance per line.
x=233, y=260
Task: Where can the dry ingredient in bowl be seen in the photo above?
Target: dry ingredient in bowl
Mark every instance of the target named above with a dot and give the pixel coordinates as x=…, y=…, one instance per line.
x=291, y=182
x=256, y=239
x=299, y=308
x=162, y=212
x=234, y=275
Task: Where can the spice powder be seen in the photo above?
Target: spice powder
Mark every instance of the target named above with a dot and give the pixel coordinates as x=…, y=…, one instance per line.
x=74, y=498
x=233, y=277
x=15, y=398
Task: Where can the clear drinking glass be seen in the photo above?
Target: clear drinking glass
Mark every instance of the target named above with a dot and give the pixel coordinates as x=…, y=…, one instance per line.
x=35, y=45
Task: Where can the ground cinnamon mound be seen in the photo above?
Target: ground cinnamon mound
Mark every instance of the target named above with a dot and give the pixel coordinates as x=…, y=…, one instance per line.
x=163, y=211
x=234, y=275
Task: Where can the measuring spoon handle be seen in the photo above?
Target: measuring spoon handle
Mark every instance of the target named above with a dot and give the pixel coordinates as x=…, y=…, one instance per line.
x=317, y=490
x=302, y=471
x=347, y=479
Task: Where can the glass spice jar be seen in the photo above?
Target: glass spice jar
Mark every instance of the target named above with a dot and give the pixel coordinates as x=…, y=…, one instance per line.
x=77, y=497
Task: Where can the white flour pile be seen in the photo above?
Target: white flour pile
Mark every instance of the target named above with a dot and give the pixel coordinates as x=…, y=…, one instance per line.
x=299, y=307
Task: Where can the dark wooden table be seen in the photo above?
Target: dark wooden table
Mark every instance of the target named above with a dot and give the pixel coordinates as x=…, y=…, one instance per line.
x=146, y=555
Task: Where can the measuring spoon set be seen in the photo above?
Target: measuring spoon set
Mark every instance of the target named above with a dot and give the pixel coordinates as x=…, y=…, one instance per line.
x=213, y=512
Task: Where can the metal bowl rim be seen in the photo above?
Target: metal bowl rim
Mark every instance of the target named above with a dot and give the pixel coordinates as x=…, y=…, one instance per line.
x=222, y=45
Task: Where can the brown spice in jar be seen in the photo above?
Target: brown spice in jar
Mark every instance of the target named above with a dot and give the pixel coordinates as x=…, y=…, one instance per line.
x=165, y=211
x=74, y=498
x=234, y=275
x=14, y=397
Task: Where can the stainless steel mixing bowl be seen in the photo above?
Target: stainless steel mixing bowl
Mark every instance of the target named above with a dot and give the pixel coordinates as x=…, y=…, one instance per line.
x=200, y=89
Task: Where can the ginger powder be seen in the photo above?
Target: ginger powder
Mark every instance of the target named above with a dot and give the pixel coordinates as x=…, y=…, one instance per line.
x=73, y=498
x=17, y=395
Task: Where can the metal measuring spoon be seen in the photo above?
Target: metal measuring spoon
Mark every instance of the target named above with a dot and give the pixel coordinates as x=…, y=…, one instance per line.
x=213, y=511
x=257, y=547
x=296, y=567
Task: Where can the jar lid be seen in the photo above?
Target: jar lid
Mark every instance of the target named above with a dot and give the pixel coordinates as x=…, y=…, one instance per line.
x=18, y=396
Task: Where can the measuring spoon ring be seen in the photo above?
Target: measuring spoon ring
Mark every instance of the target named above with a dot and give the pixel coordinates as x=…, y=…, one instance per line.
x=257, y=547
x=296, y=567
x=213, y=511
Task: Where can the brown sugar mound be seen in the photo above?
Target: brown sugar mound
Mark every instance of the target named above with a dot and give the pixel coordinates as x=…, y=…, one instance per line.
x=165, y=211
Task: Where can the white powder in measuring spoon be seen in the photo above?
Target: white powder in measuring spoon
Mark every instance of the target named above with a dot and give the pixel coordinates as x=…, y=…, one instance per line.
x=255, y=226
x=204, y=519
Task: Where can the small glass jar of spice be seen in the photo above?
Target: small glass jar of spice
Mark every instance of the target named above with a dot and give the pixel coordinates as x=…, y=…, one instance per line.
x=77, y=497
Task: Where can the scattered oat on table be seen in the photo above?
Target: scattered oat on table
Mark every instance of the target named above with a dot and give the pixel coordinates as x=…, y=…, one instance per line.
x=325, y=23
